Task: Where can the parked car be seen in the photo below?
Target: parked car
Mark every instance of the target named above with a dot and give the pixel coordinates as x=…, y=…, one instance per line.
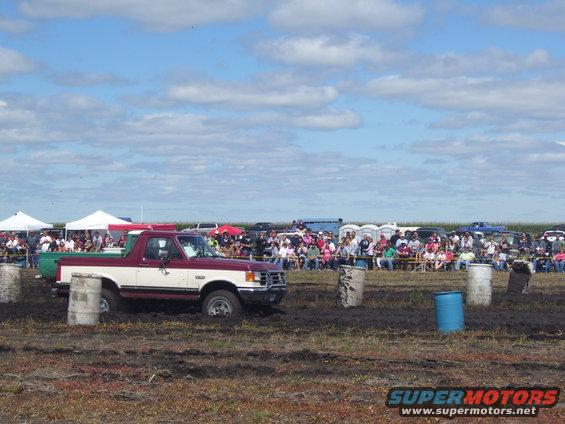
x=202, y=228
x=167, y=265
x=483, y=227
x=553, y=235
x=425, y=232
x=264, y=227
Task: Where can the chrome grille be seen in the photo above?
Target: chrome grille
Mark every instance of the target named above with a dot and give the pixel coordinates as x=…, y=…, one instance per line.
x=272, y=278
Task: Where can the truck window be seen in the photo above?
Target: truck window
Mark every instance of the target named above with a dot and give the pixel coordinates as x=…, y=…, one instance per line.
x=196, y=246
x=161, y=247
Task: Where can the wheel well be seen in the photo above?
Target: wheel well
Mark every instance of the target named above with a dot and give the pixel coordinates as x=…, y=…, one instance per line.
x=217, y=285
x=110, y=285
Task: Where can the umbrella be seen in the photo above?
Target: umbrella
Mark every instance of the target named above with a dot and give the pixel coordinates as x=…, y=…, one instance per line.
x=232, y=231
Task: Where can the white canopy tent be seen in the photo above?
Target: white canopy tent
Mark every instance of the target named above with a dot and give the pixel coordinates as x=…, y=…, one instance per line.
x=98, y=220
x=22, y=222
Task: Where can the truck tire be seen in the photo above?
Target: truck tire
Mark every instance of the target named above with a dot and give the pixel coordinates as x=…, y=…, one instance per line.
x=222, y=303
x=109, y=301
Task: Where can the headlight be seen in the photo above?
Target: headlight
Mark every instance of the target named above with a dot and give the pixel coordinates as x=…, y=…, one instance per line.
x=252, y=277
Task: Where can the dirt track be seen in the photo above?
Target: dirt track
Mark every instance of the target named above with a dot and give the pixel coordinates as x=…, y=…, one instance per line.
x=307, y=362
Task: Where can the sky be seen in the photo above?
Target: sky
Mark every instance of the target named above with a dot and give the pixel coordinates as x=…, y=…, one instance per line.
x=259, y=110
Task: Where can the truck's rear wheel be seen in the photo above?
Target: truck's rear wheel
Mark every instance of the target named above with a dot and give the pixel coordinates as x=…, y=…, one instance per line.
x=221, y=303
x=109, y=301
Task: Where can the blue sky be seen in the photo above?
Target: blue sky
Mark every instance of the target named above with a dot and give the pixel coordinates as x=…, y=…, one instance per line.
x=248, y=110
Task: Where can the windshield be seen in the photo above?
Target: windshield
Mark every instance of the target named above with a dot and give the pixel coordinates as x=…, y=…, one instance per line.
x=196, y=247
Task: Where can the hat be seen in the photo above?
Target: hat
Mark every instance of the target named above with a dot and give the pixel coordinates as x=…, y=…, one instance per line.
x=321, y=232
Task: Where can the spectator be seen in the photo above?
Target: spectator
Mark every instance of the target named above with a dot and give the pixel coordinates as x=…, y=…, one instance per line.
x=415, y=246
x=490, y=246
x=301, y=253
x=284, y=253
x=465, y=258
x=497, y=262
x=32, y=242
x=440, y=260
x=401, y=239
x=326, y=254
x=559, y=261
x=449, y=258
x=260, y=245
x=403, y=253
x=467, y=241
x=312, y=257
x=542, y=261
x=388, y=256
x=395, y=237
x=364, y=246
x=429, y=258
x=272, y=251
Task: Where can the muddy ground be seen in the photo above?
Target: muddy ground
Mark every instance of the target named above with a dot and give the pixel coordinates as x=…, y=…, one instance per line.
x=306, y=362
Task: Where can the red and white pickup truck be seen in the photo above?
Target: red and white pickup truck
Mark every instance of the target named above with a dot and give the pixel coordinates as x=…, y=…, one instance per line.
x=176, y=265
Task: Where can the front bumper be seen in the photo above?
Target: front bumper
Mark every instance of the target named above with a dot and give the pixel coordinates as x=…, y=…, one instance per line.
x=262, y=295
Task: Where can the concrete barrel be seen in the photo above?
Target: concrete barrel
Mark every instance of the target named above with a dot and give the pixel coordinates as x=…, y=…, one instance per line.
x=350, y=286
x=479, y=285
x=84, y=299
x=519, y=278
x=10, y=283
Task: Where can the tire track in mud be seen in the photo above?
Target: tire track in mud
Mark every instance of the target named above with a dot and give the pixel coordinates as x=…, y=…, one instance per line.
x=267, y=362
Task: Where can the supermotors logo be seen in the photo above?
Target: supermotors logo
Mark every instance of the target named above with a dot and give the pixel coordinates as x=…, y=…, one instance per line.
x=453, y=402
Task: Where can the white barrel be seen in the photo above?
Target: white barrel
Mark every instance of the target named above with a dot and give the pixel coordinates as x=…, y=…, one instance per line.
x=479, y=285
x=350, y=286
x=84, y=299
x=10, y=283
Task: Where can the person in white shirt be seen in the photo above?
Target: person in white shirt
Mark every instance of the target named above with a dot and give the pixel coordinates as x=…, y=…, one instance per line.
x=70, y=244
x=429, y=258
x=490, y=246
x=467, y=241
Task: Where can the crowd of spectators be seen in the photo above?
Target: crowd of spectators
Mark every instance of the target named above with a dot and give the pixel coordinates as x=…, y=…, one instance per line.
x=24, y=249
x=307, y=250
x=302, y=249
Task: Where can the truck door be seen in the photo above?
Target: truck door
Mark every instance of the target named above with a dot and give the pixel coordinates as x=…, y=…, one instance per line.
x=162, y=267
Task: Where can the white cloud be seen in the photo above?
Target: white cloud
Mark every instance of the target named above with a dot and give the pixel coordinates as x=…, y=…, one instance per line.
x=325, y=120
x=312, y=15
x=534, y=15
x=326, y=51
x=487, y=62
x=541, y=98
x=504, y=164
x=251, y=95
x=83, y=79
x=162, y=15
x=14, y=26
x=12, y=62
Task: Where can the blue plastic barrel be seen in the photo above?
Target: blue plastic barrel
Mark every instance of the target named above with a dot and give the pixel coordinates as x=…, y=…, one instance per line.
x=449, y=311
x=361, y=263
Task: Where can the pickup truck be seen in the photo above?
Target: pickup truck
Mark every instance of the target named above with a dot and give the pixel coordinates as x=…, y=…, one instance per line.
x=177, y=265
x=482, y=227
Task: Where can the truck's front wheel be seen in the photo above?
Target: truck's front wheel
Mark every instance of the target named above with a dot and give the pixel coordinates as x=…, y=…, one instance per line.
x=109, y=301
x=221, y=303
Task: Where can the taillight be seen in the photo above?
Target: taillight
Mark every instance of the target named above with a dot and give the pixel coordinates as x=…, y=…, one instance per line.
x=58, y=273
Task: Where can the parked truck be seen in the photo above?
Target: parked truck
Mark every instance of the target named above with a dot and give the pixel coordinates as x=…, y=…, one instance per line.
x=482, y=227
x=168, y=265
